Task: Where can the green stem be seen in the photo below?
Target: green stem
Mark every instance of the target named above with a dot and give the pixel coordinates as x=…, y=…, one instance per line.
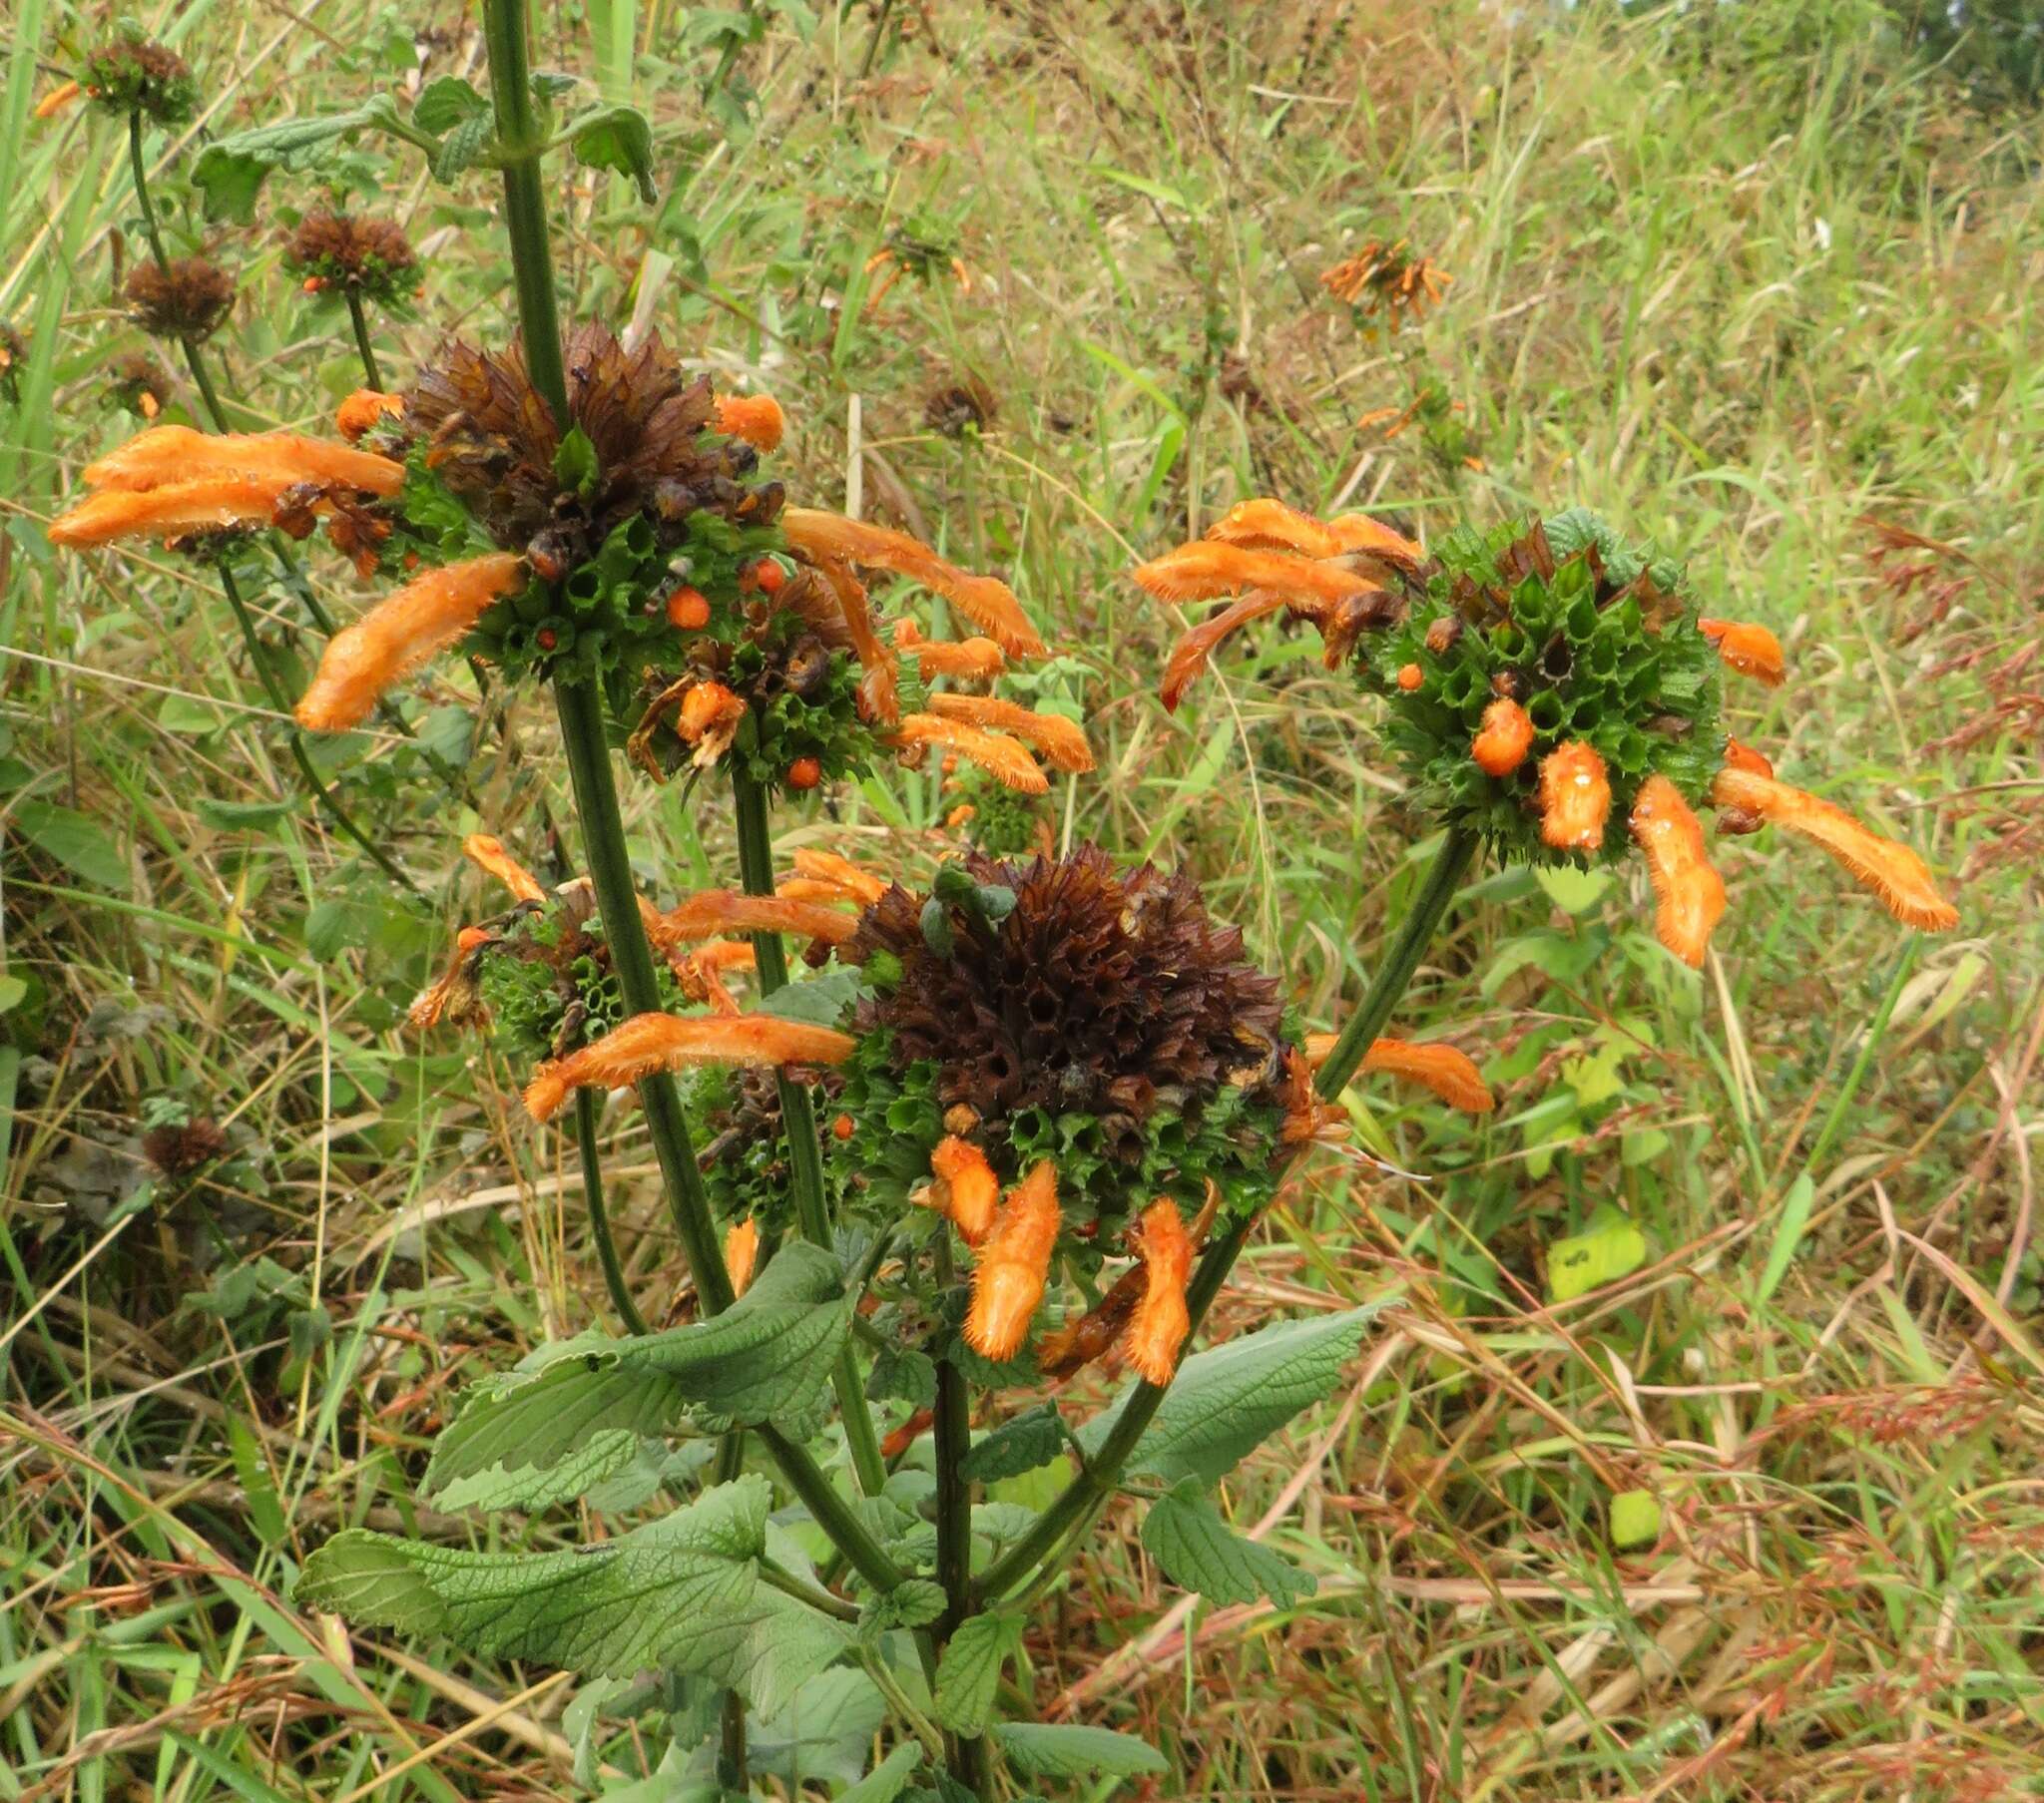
x=519, y=144
x=776, y=1577
x=360, y=321
x=598, y=1214
x=799, y=1117
x=302, y=758
x=965, y=1755
x=1073, y=1509
x=138, y=169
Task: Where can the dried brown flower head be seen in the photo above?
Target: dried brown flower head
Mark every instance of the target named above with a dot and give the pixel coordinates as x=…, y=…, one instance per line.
x=137, y=75
x=334, y=251
x=494, y=441
x=188, y=298
x=956, y=407
x=178, y=1147
x=139, y=387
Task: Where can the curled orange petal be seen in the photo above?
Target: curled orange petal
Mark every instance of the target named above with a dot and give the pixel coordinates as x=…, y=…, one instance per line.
x=164, y=456
x=1003, y=759
x=965, y=1190
x=399, y=634
x=1896, y=875
x=708, y=720
x=879, y=699
x=489, y=856
x=1745, y=757
x=649, y=1043
x=365, y=410
x=1162, y=1319
x=757, y=418
x=1751, y=650
x=1266, y=524
x=452, y=992
x=1359, y=535
x=1086, y=1337
x=741, y=1252
x=1450, y=1074
x=58, y=99
x=986, y=600
x=840, y=872
x=1689, y=895
x=209, y=505
x=1062, y=741
x=968, y=660
x=1188, y=655
x=1205, y=569
x=1013, y=1266
x=711, y=913
x=1501, y=744
x=1575, y=797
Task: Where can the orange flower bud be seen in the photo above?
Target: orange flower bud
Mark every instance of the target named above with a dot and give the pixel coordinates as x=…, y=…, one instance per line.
x=1689, y=894
x=1411, y=675
x=58, y=99
x=742, y=1252
x=1162, y=1319
x=688, y=611
x=841, y=873
x=1062, y=741
x=986, y=600
x=1575, y=797
x=489, y=856
x=1753, y=651
x=1450, y=1074
x=1506, y=736
x=649, y=1043
x=757, y=418
x=1896, y=875
x=966, y=1191
x=804, y=773
x=1008, y=762
x=843, y=1128
x=1745, y=757
x=365, y=410
x=1013, y=1265
x=402, y=632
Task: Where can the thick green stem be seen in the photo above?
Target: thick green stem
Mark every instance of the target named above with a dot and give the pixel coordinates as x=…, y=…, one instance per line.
x=519, y=143
x=965, y=1755
x=1073, y=1509
x=359, y=319
x=598, y=1214
x=799, y=1117
x=139, y=170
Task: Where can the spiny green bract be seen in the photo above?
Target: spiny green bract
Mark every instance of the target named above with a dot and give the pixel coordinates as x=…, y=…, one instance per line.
x=1005, y=823
x=134, y=75
x=741, y=1138
x=541, y=967
x=1596, y=638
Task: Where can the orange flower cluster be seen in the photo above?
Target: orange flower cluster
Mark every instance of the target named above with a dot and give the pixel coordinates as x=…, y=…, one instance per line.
x=1384, y=276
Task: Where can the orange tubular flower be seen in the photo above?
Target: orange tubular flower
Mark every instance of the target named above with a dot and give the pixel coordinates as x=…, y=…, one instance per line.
x=1506, y=736
x=651, y=1043
x=965, y=1190
x=841, y=873
x=489, y=856
x=58, y=99
x=1062, y=741
x=432, y=1005
x=1162, y=1320
x=879, y=698
x=170, y=456
x=365, y=410
x=1689, y=894
x=700, y=972
x=968, y=660
x=1205, y=569
x=757, y=418
x=1745, y=757
x=1450, y=1074
x=741, y=1252
x=399, y=635
x=1008, y=762
x=1753, y=651
x=1188, y=655
x=1575, y=797
x=1013, y=1265
x=1267, y=524
x=172, y=511
x=1895, y=874
x=711, y=913
x=710, y=719
x=986, y=600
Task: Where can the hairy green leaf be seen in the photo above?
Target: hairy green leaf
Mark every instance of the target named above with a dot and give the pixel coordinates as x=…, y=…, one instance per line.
x=1184, y=1534
x=231, y=171
x=1053, y=1750
x=617, y=138
x=970, y=1671
x=463, y=148
x=1033, y=1438
x=888, y=1779
x=445, y=102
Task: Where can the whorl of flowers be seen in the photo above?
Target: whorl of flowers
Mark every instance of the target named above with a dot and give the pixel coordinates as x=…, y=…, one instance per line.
x=189, y=297
x=1385, y=277
x=131, y=75
x=342, y=253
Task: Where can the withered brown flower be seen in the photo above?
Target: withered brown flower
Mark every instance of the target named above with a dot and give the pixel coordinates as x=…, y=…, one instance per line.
x=343, y=251
x=189, y=297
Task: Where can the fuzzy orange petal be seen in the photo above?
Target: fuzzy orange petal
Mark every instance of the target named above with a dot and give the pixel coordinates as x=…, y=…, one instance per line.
x=1745, y=757
x=58, y=99
x=400, y=634
x=1013, y=1266
x=1203, y=571
x=712, y=913
x=966, y=1191
x=489, y=856
x=1003, y=759
x=1450, y=1074
x=742, y=1252
x=1575, y=797
x=879, y=699
x=1062, y=741
x=166, y=456
x=649, y=1043
x=1266, y=524
x=1188, y=655
x=986, y=600
x=855, y=884
x=1896, y=875
x=1501, y=744
x=365, y=410
x=1359, y=535
x=757, y=418
x=209, y=505
x=1751, y=650
x=1689, y=895
x=1162, y=1319
x=968, y=660
x=431, y=1003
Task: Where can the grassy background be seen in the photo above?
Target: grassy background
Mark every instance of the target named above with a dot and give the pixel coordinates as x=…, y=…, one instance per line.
x=1743, y=279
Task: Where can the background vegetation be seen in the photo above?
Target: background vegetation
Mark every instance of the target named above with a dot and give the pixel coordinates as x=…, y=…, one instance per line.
x=1756, y=1516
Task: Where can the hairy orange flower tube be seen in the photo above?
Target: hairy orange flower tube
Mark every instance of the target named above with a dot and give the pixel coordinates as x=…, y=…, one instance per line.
x=1449, y=1074
x=1207, y=568
x=741, y=1253
x=1753, y=651
x=1689, y=895
x=365, y=410
x=986, y=600
x=1267, y=524
x=1501, y=744
x=1062, y=741
x=1013, y=1265
x=757, y=418
x=1188, y=655
x=401, y=634
x=487, y=853
x=965, y=1190
x=1004, y=759
x=213, y=504
x=167, y=456
x=838, y=873
x=1575, y=797
x=967, y=659
x=1162, y=1320
x=649, y=1043
x=710, y=913
x=1896, y=875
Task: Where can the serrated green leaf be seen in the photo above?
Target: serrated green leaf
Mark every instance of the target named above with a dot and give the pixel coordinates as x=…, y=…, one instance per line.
x=75, y=840
x=914, y=1602
x=903, y=1374
x=1058, y=1750
x=1608, y=1248
x=445, y=102
x=970, y=1671
x=888, y=1779
x=1226, y=1401
x=463, y=148
x=1184, y=1534
x=617, y=138
x=231, y=171
x=1031, y=1438
x=817, y=1001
